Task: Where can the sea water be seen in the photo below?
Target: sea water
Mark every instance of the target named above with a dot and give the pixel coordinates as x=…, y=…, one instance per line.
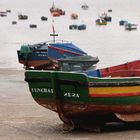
x=111, y=43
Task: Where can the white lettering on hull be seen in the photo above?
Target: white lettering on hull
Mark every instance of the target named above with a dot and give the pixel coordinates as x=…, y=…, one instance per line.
x=42, y=90
x=50, y=91
x=71, y=94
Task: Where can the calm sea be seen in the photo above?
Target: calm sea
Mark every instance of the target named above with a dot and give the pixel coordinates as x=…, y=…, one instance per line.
x=112, y=44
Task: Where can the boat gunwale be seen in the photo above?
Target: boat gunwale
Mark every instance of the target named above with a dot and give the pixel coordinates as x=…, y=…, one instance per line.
x=91, y=81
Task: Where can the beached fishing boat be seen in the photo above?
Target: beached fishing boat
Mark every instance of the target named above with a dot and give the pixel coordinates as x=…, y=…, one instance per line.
x=82, y=99
x=45, y=55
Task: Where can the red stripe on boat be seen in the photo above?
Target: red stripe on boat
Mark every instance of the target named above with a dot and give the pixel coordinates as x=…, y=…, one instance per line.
x=115, y=95
x=62, y=50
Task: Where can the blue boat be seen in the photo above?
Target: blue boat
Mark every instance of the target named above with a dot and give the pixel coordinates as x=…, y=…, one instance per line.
x=82, y=27
x=45, y=54
x=123, y=22
x=33, y=55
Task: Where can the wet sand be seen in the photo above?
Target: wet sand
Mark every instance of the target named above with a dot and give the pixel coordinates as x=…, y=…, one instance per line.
x=21, y=118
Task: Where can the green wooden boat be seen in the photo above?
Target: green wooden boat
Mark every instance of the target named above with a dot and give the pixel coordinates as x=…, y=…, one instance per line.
x=81, y=99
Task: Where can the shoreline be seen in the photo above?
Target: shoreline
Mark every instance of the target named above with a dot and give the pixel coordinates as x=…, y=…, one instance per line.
x=19, y=113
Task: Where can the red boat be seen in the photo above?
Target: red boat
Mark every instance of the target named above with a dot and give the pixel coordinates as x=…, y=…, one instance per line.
x=129, y=66
x=129, y=69
x=126, y=73
x=56, y=11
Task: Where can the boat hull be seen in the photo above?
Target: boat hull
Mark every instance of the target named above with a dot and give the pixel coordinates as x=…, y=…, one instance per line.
x=34, y=63
x=77, y=109
x=75, y=96
x=101, y=23
x=34, y=59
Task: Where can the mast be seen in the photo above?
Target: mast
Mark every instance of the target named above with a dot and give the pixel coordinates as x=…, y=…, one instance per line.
x=53, y=6
x=53, y=34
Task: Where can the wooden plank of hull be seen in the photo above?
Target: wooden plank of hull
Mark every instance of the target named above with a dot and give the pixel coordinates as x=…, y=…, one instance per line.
x=75, y=110
x=125, y=73
x=127, y=66
x=35, y=63
x=85, y=108
x=126, y=90
x=49, y=104
x=131, y=117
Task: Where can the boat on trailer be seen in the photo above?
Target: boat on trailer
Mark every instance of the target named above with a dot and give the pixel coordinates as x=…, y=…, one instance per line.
x=81, y=99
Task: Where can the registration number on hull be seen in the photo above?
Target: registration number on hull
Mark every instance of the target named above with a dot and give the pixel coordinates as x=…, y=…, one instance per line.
x=51, y=91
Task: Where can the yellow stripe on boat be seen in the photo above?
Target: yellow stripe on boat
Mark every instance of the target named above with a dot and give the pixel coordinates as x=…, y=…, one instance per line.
x=114, y=91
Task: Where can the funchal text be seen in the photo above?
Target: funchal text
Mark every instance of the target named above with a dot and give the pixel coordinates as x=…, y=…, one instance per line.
x=50, y=91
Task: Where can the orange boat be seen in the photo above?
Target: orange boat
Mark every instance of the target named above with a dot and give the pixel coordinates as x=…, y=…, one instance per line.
x=55, y=14
x=56, y=11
